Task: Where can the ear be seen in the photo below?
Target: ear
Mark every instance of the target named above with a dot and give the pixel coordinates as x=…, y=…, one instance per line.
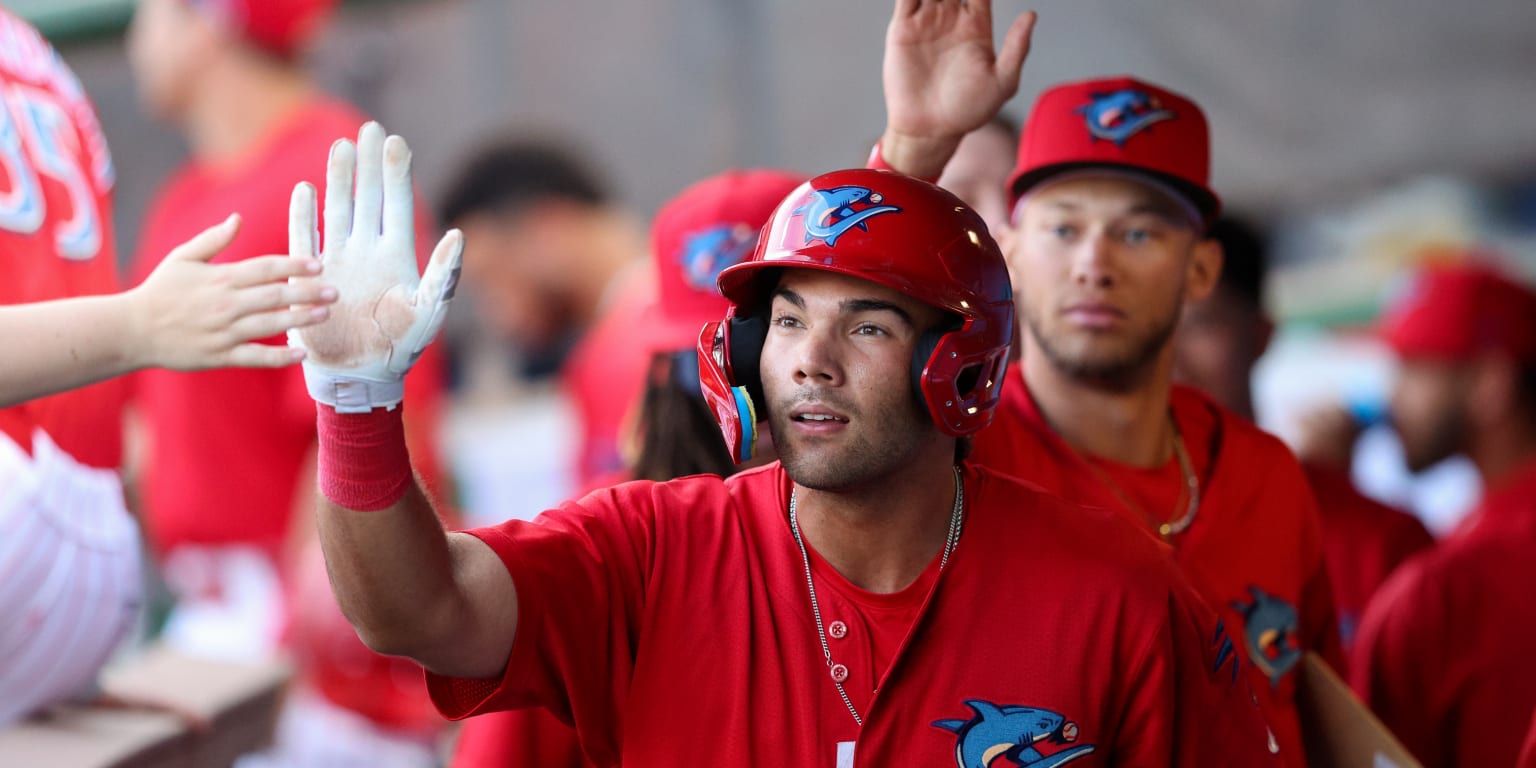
x=1493, y=390
x=1204, y=270
x=1263, y=334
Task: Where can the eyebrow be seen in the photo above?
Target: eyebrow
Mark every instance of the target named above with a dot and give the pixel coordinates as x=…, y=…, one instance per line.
x=850, y=306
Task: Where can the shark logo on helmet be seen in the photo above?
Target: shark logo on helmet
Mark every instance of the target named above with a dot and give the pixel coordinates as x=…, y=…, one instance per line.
x=831, y=213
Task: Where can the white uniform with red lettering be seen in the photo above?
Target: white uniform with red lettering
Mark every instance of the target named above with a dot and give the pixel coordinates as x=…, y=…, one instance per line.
x=70, y=583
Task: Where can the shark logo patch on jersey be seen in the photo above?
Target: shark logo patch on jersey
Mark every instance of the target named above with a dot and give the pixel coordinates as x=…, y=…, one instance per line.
x=1013, y=733
x=1122, y=114
x=706, y=254
x=830, y=213
x=1269, y=629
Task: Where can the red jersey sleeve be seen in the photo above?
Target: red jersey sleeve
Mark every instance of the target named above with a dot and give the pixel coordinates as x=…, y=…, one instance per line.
x=1190, y=701
x=1528, y=754
x=580, y=572
x=1398, y=634
x=526, y=737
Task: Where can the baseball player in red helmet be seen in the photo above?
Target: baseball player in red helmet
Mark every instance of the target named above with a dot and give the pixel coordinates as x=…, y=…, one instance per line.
x=1440, y=651
x=70, y=570
x=872, y=597
x=1110, y=206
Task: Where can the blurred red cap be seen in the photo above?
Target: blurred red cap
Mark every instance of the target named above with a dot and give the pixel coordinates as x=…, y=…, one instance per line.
x=709, y=226
x=280, y=26
x=1122, y=123
x=1456, y=310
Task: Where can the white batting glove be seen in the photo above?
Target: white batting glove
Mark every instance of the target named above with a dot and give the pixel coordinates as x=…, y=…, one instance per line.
x=385, y=315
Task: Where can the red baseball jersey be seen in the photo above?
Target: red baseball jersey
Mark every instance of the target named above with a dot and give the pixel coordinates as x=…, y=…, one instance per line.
x=1363, y=542
x=1441, y=655
x=671, y=623
x=235, y=440
x=56, y=242
x=1528, y=754
x=1254, y=549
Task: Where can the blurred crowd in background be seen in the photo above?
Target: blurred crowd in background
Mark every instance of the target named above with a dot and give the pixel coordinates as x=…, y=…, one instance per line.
x=1351, y=152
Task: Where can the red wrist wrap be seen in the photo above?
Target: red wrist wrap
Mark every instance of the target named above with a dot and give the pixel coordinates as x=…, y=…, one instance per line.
x=363, y=463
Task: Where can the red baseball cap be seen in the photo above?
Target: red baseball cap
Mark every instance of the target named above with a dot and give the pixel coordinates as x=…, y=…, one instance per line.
x=280, y=26
x=1456, y=310
x=709, y=226
x=1120, y=123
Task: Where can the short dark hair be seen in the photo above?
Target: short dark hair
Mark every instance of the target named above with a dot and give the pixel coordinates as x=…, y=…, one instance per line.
x=1245, y=262
x=508, y=176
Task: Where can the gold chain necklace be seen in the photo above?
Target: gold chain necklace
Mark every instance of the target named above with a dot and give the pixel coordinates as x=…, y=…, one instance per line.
x=1171, y=528
x=838, y=672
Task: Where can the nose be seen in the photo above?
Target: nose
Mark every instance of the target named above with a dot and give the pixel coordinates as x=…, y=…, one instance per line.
x=817, y=360
x=1091, y=261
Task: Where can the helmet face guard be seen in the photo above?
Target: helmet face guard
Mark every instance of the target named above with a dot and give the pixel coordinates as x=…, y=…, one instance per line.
x=894, y=231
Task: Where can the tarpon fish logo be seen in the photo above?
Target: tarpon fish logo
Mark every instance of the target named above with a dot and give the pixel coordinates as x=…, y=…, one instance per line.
x=1270, y=630
x=1122, y=114
x=832, y=212
x=706, y=254
x=1012, y=732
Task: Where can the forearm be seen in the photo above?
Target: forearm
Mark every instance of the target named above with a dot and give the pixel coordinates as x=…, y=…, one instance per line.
x=52, y=346
x=407, y=587
x=919, y=157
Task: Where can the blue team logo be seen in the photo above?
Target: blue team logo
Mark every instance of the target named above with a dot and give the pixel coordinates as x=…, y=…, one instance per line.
x=1270, y=629
x=706, y=254
x=832, y=212
x=1122, y=114
x=1013, y=733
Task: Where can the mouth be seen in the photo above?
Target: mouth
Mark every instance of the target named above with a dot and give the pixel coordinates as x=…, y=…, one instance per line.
x=817, y=420
x=1093, y=315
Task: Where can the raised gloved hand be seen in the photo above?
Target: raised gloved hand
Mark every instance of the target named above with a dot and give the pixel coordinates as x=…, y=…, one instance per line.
x=385, y=315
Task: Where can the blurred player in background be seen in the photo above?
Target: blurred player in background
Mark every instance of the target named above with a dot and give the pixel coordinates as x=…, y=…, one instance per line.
x=1218, y=343
x=554, y=266
x=1442, y=651
x=70, y=570
x=227, y=485
x=709, y=226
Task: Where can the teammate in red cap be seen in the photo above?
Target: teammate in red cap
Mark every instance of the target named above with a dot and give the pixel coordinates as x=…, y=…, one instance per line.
x=1440, y=655
x=226, y=73
x=1111, y=202
x=709, y=226
x=869, y=595
x=70, y=571
x=1219, y=342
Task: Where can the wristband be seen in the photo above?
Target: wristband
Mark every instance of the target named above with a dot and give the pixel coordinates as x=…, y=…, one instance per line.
x=363, y=462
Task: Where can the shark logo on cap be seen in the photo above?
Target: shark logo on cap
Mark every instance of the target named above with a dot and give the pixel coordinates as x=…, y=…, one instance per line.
x=1119, y=115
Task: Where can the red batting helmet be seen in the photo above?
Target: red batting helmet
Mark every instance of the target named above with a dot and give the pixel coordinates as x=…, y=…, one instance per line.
x=889, y=229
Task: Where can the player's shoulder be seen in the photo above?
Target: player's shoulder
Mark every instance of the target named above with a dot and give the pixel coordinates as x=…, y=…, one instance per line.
x=1064, y=532
x=1237, y=436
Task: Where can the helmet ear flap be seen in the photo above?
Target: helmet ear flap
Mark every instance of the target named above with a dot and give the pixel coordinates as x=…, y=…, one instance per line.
x=726, y=352
x=747, y=335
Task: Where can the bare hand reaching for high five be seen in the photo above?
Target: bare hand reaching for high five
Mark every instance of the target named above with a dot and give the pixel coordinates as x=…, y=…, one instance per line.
x=943, y=78
x=385, y=314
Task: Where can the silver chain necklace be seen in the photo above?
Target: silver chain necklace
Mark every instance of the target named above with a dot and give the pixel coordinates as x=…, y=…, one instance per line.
x=838, y=672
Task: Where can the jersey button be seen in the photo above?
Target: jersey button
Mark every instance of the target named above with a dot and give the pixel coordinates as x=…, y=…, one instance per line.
x=839, y=673
x=837, y=630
